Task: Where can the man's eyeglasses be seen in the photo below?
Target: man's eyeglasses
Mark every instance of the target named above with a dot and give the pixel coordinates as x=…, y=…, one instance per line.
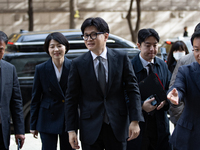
x=92, y=35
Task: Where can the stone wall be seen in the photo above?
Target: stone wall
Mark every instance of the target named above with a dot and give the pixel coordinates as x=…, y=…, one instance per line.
x=167, y=17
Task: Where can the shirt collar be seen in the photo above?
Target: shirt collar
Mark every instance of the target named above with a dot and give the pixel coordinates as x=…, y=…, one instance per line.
x=144, y=62
x=103, y=54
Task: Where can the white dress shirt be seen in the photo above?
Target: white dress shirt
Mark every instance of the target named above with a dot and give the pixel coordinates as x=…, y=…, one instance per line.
x=58, y=74
x=145, y=63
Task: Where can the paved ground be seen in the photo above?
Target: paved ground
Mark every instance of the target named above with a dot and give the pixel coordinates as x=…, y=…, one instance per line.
x=35, y=144
x=30, y=143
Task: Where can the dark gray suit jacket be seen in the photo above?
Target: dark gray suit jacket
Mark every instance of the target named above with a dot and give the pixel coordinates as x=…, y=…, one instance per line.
x=10, y=102
x=84, y=90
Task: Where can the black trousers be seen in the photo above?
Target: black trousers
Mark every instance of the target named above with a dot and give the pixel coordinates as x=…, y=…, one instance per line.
x=106, y=140
x=49, y=141
x=2, y=146
x=147, y=140
x=150, y=136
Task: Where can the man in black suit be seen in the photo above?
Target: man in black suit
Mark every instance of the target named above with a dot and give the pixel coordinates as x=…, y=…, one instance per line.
x=97, y=81
x=10, y=100
x=154, y=133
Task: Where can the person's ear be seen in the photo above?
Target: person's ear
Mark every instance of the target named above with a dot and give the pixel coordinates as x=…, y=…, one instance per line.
x=106, y=36
x=139, y=46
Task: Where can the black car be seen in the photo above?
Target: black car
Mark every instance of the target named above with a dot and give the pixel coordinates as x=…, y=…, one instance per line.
x=25, y=51
x=34, y=41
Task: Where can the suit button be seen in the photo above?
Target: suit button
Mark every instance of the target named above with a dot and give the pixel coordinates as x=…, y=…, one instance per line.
x=54, y=100
x=63, y=100
x=50, y=89
x=52, y=114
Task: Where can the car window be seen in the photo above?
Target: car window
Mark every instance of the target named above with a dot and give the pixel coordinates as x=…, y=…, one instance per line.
x=34, y=38
x=25, y=65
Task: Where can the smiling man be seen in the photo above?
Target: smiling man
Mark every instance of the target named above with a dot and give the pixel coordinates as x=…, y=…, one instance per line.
x=154, y=133
x=96, y=83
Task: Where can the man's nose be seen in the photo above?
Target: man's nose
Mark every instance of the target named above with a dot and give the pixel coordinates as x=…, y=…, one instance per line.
x=151, y=47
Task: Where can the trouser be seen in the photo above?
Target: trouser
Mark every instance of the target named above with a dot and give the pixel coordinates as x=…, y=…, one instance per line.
x=2, y=146
x=106, y=140
x=49, y=141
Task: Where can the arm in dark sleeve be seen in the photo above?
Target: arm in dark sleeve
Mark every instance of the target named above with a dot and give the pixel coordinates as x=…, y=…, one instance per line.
x=36, y=98
x=132, y=91
x=16, y=106
x=72, y=98
x=180, y=84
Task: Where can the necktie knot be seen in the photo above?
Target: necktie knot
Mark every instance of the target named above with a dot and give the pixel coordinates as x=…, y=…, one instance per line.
x=99, y=58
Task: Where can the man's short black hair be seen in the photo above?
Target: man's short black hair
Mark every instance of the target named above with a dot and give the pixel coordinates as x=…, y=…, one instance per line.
x=195, y=35
x=98, y=22
x=3, y=37
x=57, y=36
x=197, y=28
x=145, y=33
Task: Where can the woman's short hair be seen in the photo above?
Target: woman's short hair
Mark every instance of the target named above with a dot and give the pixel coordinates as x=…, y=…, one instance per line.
x=57, y=36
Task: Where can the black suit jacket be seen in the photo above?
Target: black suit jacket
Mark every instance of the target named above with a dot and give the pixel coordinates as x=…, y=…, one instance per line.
x=48, y=97
x=162, y=122
x=84, y=90
x=10, y=102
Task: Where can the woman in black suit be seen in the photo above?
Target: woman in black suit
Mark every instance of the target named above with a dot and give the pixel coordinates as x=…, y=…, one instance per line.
x=48, y=94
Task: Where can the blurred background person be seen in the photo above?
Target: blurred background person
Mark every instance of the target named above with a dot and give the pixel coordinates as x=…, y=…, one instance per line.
x=185, y=33
x=187, y=88
x=48, y=94
x=177, y=50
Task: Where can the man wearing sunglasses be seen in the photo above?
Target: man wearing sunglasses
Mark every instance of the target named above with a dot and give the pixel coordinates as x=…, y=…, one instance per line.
x=97, y=80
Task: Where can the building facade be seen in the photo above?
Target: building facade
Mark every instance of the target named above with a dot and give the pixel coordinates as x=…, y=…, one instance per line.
x=167, y=17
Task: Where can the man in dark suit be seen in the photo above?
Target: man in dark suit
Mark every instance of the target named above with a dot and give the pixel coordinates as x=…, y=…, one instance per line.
x=187, y=88
x=154, y=133
x=175, y=111
x=10, y=100
x=97, y=81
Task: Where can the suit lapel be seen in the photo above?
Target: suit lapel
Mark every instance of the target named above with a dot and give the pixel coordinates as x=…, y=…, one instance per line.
x=195, y=74
x=64, y=76
x=51, y=75
x=112, y=65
